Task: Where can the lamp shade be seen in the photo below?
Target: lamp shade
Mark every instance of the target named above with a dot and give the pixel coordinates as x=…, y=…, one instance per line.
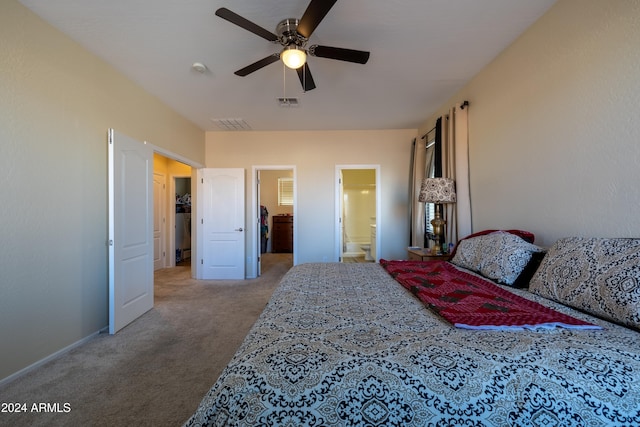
x=437, y=190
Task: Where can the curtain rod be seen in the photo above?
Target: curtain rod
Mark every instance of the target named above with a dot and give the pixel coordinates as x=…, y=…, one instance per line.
x=462, y=106
x=426, y=134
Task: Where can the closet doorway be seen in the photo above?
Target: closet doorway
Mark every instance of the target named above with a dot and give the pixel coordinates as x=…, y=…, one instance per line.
x=275, y=207
x=182, y=235
x=176, y=208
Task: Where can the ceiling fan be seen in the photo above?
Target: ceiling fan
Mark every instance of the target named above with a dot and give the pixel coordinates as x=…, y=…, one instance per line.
x=293, y=34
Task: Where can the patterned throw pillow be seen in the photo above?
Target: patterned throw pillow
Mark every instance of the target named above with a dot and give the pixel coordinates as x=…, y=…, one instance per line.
x=598, y=275
x=500, y=256
x=526, y=235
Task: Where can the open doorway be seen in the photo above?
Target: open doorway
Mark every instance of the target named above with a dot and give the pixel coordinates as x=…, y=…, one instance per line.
x=357, y=212
x=173, y=220
x=275, y=215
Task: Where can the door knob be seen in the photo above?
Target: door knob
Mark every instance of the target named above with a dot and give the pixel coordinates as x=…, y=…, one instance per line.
x=239, y=229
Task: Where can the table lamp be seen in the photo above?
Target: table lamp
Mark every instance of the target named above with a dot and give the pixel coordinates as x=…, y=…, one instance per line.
x=438, y=191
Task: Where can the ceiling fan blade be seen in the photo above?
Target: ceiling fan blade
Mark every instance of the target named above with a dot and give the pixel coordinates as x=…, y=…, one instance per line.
x=306, y=80
x=315, y=12
x=257, y=65
x=349, y=55
x=234, y=18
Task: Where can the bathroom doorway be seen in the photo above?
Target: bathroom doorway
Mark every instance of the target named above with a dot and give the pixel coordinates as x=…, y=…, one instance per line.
x=357, y=212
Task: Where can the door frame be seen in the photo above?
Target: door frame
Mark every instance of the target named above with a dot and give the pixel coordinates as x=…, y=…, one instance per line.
x=339, y=206
x=254, y=220
x=195, y=166
x=163, y=220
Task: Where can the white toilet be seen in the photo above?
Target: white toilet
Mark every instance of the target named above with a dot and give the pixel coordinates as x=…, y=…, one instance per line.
x=367, y=252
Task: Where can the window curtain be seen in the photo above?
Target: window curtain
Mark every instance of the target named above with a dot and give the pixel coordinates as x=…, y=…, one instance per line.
x=429, y=214
x=423, y=164
x=455, y=165
x=443, y=152
x=417, y=209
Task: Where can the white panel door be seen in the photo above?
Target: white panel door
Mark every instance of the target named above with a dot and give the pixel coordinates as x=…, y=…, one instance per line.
x=259, y=226
x=130, y=230
x=223, y=224
x=159, y=220
x=340, y=216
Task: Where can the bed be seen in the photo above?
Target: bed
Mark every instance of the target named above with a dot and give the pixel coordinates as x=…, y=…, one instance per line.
x=347, y=344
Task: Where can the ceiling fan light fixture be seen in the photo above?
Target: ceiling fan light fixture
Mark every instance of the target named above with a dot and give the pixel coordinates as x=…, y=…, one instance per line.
x=293, y=57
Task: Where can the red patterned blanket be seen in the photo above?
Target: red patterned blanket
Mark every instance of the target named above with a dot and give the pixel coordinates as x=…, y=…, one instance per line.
x=470, y=302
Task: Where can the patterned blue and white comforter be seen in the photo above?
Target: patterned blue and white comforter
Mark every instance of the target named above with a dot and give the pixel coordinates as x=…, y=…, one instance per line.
x=345, y=345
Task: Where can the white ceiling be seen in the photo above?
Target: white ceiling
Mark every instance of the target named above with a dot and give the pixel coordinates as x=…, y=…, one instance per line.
x=422, y=52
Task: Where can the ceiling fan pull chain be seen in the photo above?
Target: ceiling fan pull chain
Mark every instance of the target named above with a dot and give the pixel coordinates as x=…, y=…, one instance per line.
x=284, y=81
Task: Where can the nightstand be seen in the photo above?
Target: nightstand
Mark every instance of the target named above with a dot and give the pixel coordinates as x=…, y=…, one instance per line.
x=425, y=255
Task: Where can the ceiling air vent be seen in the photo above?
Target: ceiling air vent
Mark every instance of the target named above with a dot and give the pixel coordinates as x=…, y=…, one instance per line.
x=288, y=102
x=231, y=124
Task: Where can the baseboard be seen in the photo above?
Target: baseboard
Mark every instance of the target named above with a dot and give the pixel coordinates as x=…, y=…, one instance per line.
x=51, y=357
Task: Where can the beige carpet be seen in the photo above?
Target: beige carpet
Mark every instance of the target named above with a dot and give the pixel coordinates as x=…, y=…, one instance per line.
x=156, y=370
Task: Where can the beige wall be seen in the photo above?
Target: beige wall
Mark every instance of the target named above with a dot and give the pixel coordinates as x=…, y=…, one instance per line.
x=56, y=103
x=554, y=129
x=315, y=156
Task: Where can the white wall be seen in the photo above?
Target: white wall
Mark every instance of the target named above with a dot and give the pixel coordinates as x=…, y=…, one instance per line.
x=56, y=103
x=315, y=155
x=554, y=127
